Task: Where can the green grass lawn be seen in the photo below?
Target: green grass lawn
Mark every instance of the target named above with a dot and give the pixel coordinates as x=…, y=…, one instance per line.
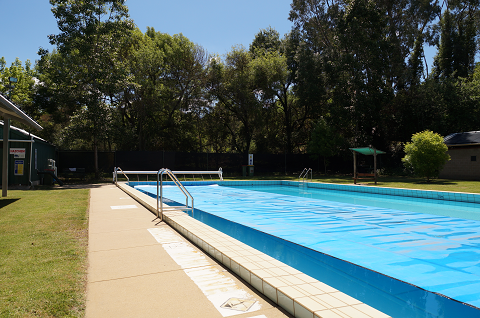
x=43, y=253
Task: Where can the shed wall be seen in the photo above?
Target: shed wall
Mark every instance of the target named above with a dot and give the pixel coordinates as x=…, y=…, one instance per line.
x=462, y=166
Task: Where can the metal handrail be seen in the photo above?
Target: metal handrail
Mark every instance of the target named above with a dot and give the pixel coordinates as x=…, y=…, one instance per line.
x=219, y=172
x=116, y=178
x=304, y=174
x=160, y=191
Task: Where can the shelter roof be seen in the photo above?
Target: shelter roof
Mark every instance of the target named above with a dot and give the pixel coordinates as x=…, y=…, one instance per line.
x=463, y=138
x=21, y=131
x=369, y=151
x=9, y=110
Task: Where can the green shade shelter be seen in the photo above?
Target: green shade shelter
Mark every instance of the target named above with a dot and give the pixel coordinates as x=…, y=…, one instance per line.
x=11, y=112
x=367, y=151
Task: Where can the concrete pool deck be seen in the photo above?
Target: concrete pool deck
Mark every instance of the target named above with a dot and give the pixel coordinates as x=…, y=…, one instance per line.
x=130, y=274
x=137, y=268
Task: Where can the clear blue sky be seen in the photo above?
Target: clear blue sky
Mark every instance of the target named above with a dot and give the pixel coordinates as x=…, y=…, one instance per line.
x=217, y=25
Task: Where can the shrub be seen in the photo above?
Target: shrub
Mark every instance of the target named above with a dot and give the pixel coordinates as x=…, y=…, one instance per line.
x=426, y=154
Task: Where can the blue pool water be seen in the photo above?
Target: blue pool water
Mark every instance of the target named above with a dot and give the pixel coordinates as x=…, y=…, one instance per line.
x=379, y=249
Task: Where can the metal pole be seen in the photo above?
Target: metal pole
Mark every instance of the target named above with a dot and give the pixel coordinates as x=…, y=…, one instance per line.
x=354, y=167
x=6, y=130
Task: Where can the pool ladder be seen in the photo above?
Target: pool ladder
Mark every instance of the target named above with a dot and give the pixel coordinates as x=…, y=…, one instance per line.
x=304, y=174
x=160, y=207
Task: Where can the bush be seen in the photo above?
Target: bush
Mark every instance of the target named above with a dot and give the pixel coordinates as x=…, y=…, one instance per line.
x=426, y=154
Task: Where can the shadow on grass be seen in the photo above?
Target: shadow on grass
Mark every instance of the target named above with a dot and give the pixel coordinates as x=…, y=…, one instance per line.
x=5, y=202
x=439, y=182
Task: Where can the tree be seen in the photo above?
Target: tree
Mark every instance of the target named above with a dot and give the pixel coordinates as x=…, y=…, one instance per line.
x=426, y=154
x=233, y=85
x=324, y=142
x=22, y=91
x=90, y=39
x=168, y=91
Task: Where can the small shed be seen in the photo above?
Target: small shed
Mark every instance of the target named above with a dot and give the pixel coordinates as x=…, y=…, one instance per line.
x=367, y=151
x=464, y=151
x=27, y=153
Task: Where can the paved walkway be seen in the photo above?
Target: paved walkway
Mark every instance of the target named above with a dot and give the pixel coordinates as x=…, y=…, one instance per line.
x=138, y=268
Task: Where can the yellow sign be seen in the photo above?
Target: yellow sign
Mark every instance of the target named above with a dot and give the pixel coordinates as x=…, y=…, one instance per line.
x=19, y=167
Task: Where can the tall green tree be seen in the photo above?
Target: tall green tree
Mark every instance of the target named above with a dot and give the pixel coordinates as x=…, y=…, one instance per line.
x=275, y=70
x=232, y=84
x=168, y=92
x=91, y=33
x=360, y=49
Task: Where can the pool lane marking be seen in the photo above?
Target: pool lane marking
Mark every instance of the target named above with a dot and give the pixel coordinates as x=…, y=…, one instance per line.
x=123, y=207
x=217, y=287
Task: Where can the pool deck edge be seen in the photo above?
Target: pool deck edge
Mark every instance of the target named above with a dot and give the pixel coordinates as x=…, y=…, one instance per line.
x=296, y=292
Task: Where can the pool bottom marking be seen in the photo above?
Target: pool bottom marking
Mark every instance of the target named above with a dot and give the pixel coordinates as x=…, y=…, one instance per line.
x=222, y=291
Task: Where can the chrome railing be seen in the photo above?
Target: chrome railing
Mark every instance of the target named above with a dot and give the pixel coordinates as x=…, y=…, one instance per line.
x=115, y=175
x=304, y=174
x=219, y=172
x=160, y=207
x=172, y=175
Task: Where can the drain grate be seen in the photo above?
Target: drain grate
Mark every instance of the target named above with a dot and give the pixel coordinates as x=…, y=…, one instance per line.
x=238, y=304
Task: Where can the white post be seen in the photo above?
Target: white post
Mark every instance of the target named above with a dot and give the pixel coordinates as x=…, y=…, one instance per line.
x=6, y=130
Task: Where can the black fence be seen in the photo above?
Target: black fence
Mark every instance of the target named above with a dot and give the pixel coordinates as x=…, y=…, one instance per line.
x=230, y=163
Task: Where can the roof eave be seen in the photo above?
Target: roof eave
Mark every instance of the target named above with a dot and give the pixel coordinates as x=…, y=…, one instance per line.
x=9, y=110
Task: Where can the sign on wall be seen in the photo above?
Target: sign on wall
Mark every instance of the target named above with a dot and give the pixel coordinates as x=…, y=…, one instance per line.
x=19, y=167
x=250, y=159
x=17, y=152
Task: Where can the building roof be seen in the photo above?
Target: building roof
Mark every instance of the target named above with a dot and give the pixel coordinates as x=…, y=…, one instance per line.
x=21, y=131
x=9, y=110
x=368, y=151
x=463, y=138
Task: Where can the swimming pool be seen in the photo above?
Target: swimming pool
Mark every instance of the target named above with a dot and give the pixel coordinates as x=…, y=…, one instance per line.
x=348, y=245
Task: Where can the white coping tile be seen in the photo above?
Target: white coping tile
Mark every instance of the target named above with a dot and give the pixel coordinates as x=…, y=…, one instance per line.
x=291, y=280
x=253, y=258
x=277, y=271
x=322, y=286
x=286, y=302
x=310, y=289
x=329, y=301
x=291, y=292
x=270, y=291
x=290, y=270
x=298, y=293
x=266, y=264
x=226, y=261
x=301, y=312
x=250, y=266
x=327, y=314
x=235, y=267
x=372, y=312
x=306, y=278
x=256, y=282
x=310, y=304
x=261, y=273
x=218, y=255
x=345, y=298
x=245, y=274
x=274, y=281
x=351, y=312
x=266, y=257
